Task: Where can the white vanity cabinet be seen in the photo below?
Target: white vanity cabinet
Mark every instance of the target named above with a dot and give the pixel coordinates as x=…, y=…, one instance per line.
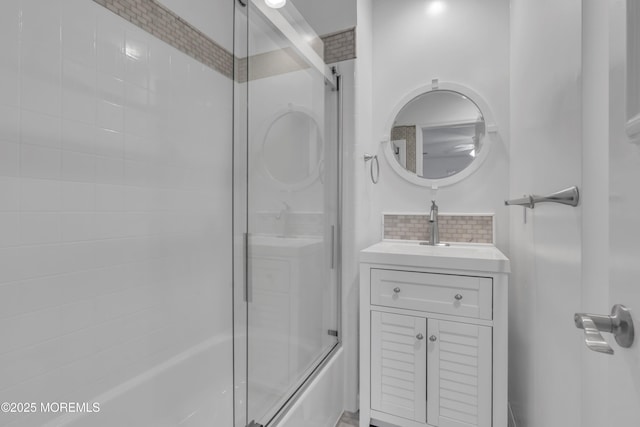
x=433, y=336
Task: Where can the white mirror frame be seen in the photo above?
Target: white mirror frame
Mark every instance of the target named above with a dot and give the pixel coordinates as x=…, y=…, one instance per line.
x=490, y=124
x=264, y=132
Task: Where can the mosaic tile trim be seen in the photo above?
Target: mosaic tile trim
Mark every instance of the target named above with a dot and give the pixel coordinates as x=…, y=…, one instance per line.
x=161, y=22
x=339, y=46
x=453, y=228
x=158, y=20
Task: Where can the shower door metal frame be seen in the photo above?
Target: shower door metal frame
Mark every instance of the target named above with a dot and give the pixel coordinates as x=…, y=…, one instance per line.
x=242, y=291
x=337, y=251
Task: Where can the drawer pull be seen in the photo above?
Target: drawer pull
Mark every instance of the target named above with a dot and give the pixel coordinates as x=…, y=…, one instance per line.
x=396, y=290
x=458, y=297
x=433, y=338
x=420, y=336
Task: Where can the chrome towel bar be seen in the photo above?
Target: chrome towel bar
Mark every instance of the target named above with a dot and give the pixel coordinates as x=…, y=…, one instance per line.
x=569, y=196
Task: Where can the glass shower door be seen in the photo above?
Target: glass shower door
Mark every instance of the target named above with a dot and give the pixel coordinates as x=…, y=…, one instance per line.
x=291, y=208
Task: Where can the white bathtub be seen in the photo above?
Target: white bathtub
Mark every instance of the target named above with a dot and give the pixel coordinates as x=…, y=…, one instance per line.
x=195, y=389
x=191, y=389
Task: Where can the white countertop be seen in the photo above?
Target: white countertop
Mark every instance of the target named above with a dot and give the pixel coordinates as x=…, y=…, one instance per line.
x=479, y=258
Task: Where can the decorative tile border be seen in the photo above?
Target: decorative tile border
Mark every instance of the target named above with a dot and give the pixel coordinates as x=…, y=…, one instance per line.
x=339, y=46
x=453, y=228
x=158, y=20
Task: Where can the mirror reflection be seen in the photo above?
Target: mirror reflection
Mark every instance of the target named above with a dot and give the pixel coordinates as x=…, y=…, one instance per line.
x=438, y=134
x=292, y=148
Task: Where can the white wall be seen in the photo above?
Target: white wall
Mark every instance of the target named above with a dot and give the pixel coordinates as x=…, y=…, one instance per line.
x=328, y=16
x=358, y=217
x=546, y=155
x=410, y=48
x=115, y=176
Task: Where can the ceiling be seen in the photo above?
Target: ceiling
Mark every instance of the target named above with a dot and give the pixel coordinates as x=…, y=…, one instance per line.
x=328, y=16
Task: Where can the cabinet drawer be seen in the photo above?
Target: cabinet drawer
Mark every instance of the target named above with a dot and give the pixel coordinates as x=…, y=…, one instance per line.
x=437, y=293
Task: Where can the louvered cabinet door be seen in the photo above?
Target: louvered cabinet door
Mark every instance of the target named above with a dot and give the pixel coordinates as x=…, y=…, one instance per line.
x=459, y=391
x=398, y=365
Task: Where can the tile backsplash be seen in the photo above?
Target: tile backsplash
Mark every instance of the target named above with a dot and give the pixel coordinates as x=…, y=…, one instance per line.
x=453, y=228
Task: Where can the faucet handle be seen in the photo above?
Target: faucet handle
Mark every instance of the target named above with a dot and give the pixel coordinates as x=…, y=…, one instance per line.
x=433, y=214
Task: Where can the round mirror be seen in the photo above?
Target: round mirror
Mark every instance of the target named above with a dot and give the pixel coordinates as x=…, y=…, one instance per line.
x=439, y=134
x=292, y=149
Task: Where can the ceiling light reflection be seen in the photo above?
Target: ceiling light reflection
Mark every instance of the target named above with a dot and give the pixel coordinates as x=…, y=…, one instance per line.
x=275, y=4
x=436, y=7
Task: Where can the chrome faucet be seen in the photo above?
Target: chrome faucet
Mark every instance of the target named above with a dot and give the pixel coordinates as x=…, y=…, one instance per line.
x=282, y=218
x=434, y=232
x=286, y=208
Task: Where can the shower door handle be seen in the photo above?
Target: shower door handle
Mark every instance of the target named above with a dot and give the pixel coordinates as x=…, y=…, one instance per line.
x=245, y=256
x=333, y=246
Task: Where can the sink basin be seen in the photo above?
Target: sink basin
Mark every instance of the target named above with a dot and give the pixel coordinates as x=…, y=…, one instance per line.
x=478, y=258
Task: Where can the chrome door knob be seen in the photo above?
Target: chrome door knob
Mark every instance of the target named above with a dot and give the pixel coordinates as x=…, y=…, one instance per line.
x=396, y=290
x=433, y=338
x=458, y=297
x=420, y=336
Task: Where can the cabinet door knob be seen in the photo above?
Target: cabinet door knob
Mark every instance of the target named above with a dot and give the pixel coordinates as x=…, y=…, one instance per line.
x=396, y=290
x=420, y=336
x=432, y=338
x=458, y=297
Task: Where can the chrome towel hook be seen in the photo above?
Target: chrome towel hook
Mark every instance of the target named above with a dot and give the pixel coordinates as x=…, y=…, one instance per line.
x=373, y=158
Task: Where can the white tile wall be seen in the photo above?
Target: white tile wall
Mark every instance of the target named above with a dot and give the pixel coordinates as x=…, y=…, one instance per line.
x=115, y=215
